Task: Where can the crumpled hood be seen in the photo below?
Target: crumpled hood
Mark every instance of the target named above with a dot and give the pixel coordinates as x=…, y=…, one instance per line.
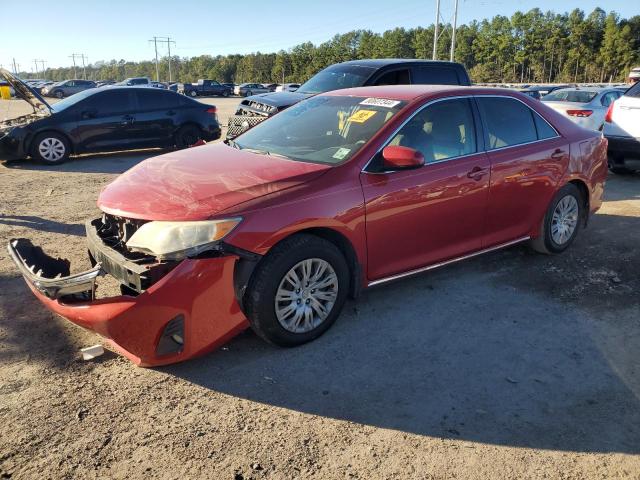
x=278, y=99
x=25, y=92
x=198, y=183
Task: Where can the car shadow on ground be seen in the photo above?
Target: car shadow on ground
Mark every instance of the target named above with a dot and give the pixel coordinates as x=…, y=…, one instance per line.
x=470, y=352
x=42, y=224
x=111, y=162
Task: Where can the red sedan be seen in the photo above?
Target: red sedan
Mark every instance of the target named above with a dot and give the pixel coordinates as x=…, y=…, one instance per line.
x=342, y=191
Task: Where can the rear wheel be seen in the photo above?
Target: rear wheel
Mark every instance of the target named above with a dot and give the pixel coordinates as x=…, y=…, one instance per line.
x=50, y=147
x=615, y=167
x=248, y=94
x=297, y=290
x=188, y=135
x=562, y=221
x=225, y=93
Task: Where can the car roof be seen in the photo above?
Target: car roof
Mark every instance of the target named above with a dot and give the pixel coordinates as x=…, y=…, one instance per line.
x=584, y=89
x=411, y=92
x=383, y=62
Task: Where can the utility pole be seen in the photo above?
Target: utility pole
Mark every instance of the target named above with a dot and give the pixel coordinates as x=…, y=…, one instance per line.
x=36, y=64
x=168, y=41
x=84, y=68
x=73, y=57
x=15, y=69
x=453, y=34
x=435, y=33
x=155, y=44
x=42, y=62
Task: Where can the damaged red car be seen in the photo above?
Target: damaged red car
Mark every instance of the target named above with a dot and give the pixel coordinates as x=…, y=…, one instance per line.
x=342, y=191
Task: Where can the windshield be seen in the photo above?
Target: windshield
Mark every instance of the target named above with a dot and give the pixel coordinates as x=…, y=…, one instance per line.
x=324, y=129
x=335, y=78
x=72, y=100
x=577, y=96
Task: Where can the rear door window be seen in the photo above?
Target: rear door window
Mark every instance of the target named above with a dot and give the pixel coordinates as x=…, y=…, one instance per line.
x=435, y=75
x=395, y=77
x=507, y=122
x=634, y=91
x=111, y=103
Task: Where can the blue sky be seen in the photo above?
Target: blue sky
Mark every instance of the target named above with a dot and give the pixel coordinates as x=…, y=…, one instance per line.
x=121, y=29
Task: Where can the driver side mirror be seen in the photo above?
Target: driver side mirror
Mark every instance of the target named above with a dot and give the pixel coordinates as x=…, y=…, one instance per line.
x=396, y=157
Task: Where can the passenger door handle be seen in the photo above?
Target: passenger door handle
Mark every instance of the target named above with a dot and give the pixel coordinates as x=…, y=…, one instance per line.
x=558, y=154
x=477, y=173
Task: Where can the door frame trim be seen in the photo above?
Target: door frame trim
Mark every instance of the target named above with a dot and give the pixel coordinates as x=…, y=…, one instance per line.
x=433, y=266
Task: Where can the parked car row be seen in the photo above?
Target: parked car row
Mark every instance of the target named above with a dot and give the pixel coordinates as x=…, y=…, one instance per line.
x=104, y=119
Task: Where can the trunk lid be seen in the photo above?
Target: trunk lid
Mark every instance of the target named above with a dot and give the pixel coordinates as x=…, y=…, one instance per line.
x=198, y=183
x=25, y=92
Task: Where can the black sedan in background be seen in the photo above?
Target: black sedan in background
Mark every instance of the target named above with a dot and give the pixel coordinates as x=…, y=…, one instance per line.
x=104, y=119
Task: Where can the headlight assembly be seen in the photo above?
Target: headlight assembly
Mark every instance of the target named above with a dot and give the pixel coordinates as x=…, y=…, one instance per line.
x=177, y=240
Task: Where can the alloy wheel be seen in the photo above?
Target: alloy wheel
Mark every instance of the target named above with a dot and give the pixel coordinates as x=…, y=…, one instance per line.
x=51, y=149
x=565, y=219
x=306, y=295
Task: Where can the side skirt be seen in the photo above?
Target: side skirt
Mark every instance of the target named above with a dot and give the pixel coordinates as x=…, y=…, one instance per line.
x=446, y=262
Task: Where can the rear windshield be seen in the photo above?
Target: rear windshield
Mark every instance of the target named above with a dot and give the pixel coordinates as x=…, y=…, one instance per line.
x=577, y=96
x=335, y=78
x=634, y=91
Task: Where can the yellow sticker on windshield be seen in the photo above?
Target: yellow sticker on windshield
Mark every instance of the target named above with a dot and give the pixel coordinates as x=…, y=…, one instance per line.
x=362, y=116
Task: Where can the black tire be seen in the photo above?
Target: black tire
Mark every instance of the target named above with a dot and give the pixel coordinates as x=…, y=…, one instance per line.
x=188, y=135
x=58, y=94
x=52, y=138
x=545, y=243
x=259, y=300
x=193, y=94
x=613, y=162
x=248, y=93
x=225, y=93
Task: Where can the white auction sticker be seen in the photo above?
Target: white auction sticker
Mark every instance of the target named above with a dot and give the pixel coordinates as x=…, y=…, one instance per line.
x=380, y=102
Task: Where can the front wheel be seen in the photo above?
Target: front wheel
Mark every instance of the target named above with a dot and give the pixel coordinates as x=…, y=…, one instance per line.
x=297, y=290
x=50, y=147
x=562, y=221
x=225, y=93
x=193, y=93
x=248, y=94
x=59, y=94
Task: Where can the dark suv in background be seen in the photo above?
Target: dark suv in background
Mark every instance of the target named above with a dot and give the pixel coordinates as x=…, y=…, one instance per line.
x=356, y=73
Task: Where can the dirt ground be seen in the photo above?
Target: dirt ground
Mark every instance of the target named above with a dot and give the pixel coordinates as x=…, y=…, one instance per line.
x=511, y=365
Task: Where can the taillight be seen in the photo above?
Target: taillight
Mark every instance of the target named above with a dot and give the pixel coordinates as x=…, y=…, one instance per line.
x=609, y=116
x=579, y=113
x=211, y=110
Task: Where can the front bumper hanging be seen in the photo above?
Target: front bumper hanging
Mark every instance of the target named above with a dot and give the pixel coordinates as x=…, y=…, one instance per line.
x=180, y=313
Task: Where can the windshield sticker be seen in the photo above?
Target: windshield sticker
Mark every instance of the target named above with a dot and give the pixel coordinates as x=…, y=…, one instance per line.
x=380, y=102
x=362, y=116
x=341, y=153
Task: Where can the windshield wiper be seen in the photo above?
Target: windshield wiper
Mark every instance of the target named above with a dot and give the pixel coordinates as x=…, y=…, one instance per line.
x=233, y=143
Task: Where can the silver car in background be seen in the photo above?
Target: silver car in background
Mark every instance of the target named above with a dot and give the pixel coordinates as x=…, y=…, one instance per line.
x=67, y=88
x=586, y=106
x=248, y=89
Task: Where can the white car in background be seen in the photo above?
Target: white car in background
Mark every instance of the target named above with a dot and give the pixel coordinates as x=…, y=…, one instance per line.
x=622, y=129
x=586, y=106
x=288, y=87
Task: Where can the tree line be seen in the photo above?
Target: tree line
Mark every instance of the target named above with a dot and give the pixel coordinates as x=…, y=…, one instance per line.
x=527, y=47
